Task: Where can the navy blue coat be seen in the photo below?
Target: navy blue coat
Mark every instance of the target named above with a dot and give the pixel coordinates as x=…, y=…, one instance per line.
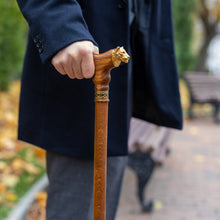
x=57, y=113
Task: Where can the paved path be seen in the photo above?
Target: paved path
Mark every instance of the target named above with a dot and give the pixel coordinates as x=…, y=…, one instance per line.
x=187, y=186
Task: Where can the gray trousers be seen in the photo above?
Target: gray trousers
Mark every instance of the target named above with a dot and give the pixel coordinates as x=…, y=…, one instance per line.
x=70, y=191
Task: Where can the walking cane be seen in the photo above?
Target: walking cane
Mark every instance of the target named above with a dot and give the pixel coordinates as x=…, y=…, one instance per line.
x=103, y=65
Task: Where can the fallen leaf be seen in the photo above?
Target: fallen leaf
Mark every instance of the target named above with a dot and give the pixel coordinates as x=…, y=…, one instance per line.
x=11, y=164
x=8, y=143
x=10, y=180
x=40, y=152
x=31, y=168
x=11, y=197
x=3, y=188
x=18, y=164
x=158, y=205
x=41, y=198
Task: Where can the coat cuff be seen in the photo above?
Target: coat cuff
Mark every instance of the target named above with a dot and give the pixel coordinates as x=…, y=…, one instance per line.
x=48, y=48
x=54, y=24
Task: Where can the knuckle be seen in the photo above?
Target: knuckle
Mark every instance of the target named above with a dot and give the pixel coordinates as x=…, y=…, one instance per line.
x=85, y=51
x=62, y=62
x=71, y=54
x=82, y=52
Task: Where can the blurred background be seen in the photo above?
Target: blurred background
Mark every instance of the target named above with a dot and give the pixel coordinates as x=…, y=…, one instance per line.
x=186, y=184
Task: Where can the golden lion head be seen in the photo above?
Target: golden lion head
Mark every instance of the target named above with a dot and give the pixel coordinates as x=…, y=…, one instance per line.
x=119, y=55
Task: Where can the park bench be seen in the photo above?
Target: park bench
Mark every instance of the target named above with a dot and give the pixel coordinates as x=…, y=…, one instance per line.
x=203, y=88
x=148, y=146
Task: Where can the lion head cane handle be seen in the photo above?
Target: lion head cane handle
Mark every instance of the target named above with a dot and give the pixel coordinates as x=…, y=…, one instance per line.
x=103, y=64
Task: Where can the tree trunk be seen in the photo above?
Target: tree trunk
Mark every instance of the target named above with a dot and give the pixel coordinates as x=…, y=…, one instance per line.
x=203, y=53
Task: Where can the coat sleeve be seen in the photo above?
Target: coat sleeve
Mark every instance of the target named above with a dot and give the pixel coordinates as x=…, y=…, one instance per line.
x=54, y=24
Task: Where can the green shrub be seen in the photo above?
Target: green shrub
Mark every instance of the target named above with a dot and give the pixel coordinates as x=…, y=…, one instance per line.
x=12, y=42
x=183, y=12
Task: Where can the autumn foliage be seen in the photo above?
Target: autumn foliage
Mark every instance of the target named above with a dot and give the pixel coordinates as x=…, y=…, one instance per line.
x=20, y=164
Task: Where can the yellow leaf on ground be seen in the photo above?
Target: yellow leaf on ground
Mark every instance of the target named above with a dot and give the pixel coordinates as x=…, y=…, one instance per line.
x=31, y=168
x=158, y=205
x=11, y=197
x=18, y=164
x=39, y=152
x=41, y=198
x=8, y=143
x=10, y=180
x=3, y=188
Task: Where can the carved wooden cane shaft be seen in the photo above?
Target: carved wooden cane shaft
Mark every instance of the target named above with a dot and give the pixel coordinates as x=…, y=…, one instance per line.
x=103, y=65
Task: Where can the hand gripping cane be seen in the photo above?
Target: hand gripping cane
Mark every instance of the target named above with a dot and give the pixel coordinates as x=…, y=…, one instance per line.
x=103, y=64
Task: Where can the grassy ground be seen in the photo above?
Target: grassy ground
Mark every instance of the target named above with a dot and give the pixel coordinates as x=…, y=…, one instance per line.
x=20, y=164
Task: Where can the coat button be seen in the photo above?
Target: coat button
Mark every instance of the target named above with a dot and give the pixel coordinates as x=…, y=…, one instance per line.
x=36, y=39
x=40, y=50
x=122, y=4
x=38, y=45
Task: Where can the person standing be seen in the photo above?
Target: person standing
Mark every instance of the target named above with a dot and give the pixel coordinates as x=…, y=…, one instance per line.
x=56, y=109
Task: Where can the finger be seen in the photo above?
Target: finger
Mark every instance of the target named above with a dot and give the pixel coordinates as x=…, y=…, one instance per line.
x=57, y=65
x=68, y=68
x=76, y=66
x=88, y=66
x=62, y=70
x=59, y=68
